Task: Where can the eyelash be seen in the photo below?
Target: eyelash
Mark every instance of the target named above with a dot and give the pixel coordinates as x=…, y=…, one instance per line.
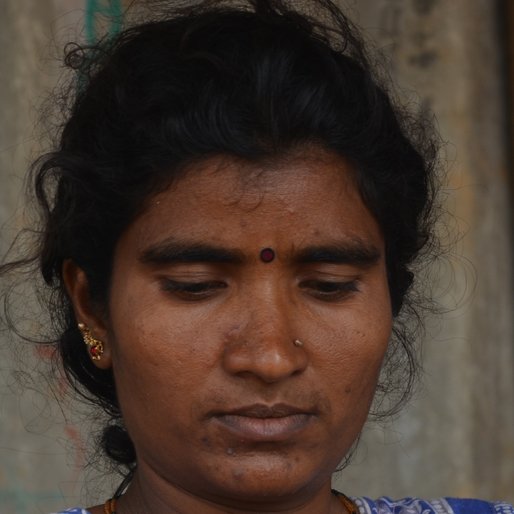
x=192, y=290
x=327, y=290
x=321, y=289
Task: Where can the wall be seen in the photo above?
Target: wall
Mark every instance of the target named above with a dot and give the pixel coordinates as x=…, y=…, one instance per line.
x=457, y=437
x=41, y=448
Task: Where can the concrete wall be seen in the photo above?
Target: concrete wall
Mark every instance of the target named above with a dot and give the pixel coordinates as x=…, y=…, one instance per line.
x=24, y=27
x=457, y=437
x=41, y=451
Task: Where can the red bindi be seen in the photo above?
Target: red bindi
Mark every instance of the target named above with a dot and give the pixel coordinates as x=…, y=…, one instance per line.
x=267, y=255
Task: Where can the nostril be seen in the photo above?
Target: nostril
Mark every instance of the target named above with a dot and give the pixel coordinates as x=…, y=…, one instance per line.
x=271, y=359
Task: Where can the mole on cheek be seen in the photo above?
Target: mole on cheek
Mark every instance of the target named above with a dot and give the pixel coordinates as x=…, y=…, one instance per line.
x=206, y=442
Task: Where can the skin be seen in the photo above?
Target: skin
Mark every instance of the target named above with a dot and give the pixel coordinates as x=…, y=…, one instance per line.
x=227, y=414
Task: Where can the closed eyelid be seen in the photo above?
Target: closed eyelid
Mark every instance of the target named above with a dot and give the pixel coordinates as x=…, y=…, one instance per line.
x=343, y=284
x=182, y=283
x=191, y=291
x=330, y=290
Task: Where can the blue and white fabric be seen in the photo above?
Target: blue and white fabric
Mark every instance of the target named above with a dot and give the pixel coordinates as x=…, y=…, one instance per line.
x=411, y=506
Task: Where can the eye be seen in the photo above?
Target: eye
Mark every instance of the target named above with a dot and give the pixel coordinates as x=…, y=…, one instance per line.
x=329, y=290
x=192, y=291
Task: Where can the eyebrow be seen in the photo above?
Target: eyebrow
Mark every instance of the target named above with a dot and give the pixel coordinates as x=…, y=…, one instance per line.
x=172, y=251
x=356, y=253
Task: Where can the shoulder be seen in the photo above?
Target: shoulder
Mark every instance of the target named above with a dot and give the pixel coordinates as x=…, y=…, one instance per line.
x=439, y=506
x=77, y=510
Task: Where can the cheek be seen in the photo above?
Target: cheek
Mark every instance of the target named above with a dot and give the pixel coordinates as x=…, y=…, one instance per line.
x=158, y=374
x=142, y=320
x=358, y=358
x=355, y=343
x=155, y=349
x=159, y=345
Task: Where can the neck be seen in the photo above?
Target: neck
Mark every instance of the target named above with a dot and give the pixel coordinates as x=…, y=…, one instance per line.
x=149, y=496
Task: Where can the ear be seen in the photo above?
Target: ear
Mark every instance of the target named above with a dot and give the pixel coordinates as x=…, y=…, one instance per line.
x=76, y=283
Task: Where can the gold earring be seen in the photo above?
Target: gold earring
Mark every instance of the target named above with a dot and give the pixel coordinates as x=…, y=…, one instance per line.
x=96, y=347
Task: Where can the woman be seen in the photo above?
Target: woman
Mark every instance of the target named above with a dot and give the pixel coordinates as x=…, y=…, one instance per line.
x=230, y=222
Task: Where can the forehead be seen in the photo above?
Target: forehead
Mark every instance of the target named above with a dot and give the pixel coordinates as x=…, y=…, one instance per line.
x=240, y=184
x=302, y=195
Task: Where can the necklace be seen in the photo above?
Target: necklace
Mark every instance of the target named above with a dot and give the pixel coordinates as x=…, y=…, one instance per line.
x=110, y=505
x=349, y=504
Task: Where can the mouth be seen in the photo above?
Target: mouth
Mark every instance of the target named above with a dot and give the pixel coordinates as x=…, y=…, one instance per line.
x=265, y=423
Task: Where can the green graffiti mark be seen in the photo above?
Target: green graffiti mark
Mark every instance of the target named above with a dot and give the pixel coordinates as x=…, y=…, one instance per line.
x=22, y=501
x=102, y=16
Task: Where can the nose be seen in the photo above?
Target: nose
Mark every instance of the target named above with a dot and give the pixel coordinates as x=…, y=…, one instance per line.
x=265, y=348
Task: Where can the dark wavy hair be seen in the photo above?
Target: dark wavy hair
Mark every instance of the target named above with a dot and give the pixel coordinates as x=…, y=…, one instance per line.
x=254, y=80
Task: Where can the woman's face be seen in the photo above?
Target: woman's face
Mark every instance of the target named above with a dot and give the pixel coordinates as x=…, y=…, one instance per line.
x=217, y=397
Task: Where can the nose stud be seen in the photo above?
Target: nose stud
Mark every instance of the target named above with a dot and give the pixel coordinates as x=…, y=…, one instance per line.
x=298, y=343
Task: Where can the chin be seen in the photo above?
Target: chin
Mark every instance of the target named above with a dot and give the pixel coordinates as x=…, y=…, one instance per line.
x=268, y=480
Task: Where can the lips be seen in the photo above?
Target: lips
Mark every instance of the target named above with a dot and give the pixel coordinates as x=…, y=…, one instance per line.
x=265, y=423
